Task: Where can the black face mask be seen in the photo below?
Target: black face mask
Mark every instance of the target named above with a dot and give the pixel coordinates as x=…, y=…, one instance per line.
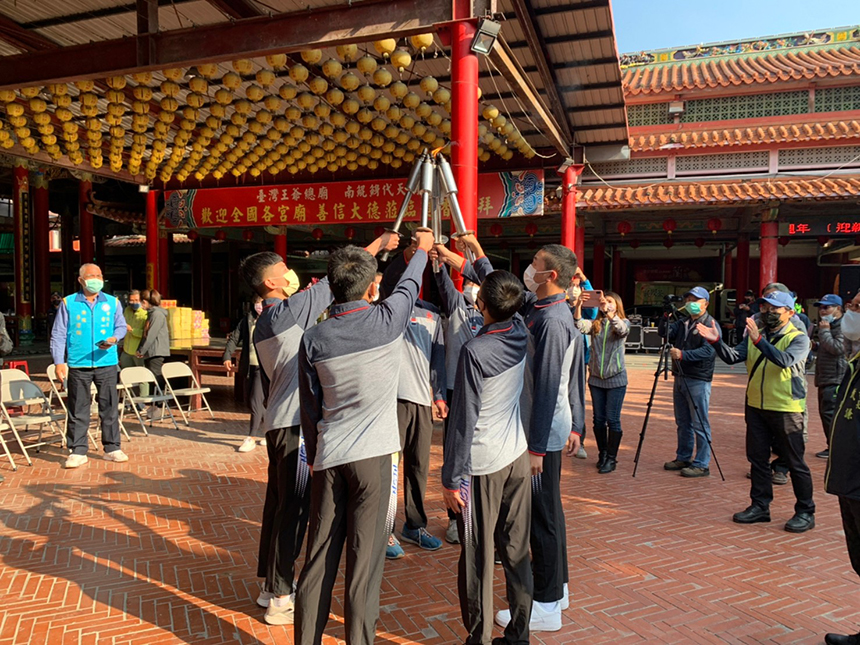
x=772, y=320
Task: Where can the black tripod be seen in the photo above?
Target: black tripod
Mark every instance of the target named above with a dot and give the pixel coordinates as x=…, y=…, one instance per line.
x=663, y=368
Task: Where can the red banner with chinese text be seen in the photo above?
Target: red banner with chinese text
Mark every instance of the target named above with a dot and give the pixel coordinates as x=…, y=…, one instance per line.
x=509, y=194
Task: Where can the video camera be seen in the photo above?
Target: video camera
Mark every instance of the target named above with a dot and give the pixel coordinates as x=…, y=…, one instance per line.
x=669, y=301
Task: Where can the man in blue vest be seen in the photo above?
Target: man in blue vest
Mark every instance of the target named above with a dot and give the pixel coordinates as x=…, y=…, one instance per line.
x=88, y=326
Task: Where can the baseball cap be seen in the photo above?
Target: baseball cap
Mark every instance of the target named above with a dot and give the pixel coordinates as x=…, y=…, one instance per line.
x=779, y=299
x=830, y=300
x=699, y=292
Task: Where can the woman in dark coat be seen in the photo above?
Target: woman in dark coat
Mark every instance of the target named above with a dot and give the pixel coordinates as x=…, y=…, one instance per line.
x=249, y=366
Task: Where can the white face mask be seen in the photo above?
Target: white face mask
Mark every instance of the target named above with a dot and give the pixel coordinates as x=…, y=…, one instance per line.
x=529, y=278
x=573, y=293
x=471, y=294
x=851, y=325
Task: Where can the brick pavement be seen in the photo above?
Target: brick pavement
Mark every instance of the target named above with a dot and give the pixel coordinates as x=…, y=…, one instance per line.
x=162, y=549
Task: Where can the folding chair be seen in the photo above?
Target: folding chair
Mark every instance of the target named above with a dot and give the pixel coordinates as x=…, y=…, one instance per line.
x=181, y=370
x=133, y=376
x=18, y=391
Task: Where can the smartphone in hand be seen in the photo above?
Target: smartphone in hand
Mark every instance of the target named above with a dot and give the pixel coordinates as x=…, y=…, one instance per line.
x=591, y=299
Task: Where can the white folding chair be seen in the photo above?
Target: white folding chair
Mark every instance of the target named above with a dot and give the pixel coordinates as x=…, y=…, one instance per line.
x=179, y=370
x=134, y=376
x=18, y=391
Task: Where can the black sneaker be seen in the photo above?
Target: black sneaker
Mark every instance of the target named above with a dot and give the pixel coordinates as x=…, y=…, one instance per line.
x=841, y=639
x=824, y=454
x=800, y=523
x=752, y=514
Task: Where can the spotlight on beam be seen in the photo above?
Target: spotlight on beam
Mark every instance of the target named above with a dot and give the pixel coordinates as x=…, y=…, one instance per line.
x=488, y=31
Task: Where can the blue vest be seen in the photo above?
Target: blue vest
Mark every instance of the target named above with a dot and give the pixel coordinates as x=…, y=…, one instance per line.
x=88, y=327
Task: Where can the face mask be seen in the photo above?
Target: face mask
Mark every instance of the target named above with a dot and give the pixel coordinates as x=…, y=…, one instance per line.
x=772, y=320
x=851, y=325
x=529, y=278
x=829, y=318
x=375, y=295
x=610, y=308
x=135, y=305
x=94, y=285
x=694, y=308
x=573, y=293
x=292, y=283
x=258, y=307
x=471, y=294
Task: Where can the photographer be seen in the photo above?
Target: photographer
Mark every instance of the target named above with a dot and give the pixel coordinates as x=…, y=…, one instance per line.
x=831, y=362
x=693, y=367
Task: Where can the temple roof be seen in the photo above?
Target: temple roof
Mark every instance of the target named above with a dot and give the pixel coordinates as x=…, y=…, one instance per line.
x=792, y=57
x=719, y=193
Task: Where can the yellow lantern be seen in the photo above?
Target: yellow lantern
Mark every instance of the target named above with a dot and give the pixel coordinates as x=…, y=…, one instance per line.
x=490, y=113
x=38, y=105
x=332, y=68
x=277, y=61
x=232, y=81
x=434, y=119
x=7, y=96
x=419, y=129
x=305, y=101
x=64, y=114
x=243, y=66
x=207, y=70
x=406, y=121
x=169, y=104
x=293, y=113
x=310, y=121
x=421, y=42
x=350, y=106
x=347, y=53
x=381, y=104
x=364, y=116
x=334, y=96
x=272, y=103
x=442, y=96
x=318, y=85
x=322, y=110
x=265, y=77
x=385, y=46
x=366, y=65
x=116, y=82
x=423, y=110
x=445, y=127
x=30, y=92
x=299, y=73
x=349, y=82
x=223, y=97
x=254, y=92
x=391, y=131
x=287, y=92
x=15, y=109
x=142, y=93
x=85, y=86
x=382, y=77
x=398, y=90
x=411, y=100
x=337, y=119
x=198, y=84
x=217, y=110
x=312, y=56
x=255, y=127
x=196, y=100
x=173, y=74
x=366, y=93
x=243, y=107
x=64, y=100
x=263, y=116
x=429, y=84
x=352, y=127
x=378, y=124
x=169, y=88
x=401, y=59
x=394, y=113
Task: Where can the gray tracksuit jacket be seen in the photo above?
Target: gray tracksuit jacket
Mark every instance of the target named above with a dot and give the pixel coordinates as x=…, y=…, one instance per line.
x=463, y=323
x=422, y=366
x=485, y=430
x=606, y=366
x=349, y=371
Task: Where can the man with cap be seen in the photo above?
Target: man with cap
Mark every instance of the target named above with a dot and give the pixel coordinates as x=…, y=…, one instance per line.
x=743, y=311
x=693, y=367
x=775, y=358
x=831, y=363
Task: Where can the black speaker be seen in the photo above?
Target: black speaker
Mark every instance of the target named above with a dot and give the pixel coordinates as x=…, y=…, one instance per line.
x=651, y=339
x=849, y=281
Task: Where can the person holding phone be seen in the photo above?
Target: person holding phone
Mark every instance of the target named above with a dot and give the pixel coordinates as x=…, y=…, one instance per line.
x=607, y=373
x=87, y=327
x=156, y=343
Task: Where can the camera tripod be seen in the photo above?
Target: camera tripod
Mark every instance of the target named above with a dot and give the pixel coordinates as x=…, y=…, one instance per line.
x=663, y=368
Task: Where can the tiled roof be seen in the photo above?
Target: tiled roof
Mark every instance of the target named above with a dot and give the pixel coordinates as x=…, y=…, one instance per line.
x=750, y=69
x=719, y=193
x=801, y=132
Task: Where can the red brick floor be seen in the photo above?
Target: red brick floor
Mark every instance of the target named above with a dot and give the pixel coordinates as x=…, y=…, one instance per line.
x=162, y=549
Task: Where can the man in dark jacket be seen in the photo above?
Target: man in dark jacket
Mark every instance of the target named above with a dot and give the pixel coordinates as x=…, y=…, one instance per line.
x=249, y=368
x=693, y=367
x=831, y=363
x=842, y=477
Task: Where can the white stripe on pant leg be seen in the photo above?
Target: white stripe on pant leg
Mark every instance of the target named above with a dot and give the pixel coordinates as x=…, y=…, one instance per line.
x=302, y=471
x=392, y=501
x=466, y=495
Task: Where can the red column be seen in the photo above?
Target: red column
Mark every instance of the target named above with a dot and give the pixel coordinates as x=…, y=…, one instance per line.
x=464, y=123
x=742, y=264
x=152, y=239
x=23, y=260
x=569, y=230
x=768, y=242
x=281, y=245
x=579, y=245
x=88, y=250
x=598, y=276
x=616, y=269
x=41, y=245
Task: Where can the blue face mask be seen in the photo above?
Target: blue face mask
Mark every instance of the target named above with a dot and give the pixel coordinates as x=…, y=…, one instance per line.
x=135, y=305
x=829, y=318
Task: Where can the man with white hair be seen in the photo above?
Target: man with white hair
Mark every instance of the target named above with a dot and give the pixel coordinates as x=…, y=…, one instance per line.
x=88, y=326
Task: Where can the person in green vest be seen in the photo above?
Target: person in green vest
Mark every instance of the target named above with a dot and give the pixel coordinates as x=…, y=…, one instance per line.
x=775, y=358
x=135, y=319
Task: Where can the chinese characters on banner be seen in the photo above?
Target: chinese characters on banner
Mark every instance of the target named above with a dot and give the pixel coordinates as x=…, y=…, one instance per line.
x=812, y=227
x=499, y=195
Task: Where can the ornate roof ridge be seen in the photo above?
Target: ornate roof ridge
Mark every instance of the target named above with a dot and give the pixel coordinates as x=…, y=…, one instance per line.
x=743, y=48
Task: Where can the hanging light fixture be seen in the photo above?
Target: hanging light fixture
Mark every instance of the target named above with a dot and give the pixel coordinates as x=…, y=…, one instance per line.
x=485, y=38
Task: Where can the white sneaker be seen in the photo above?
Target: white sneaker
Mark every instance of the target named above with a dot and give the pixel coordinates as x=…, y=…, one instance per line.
x=74, y=461
x=263, y=442
x=581, y=454
x=248, y=445
x=565, y=599
x=117, y=455
x=281, y=614
x=264, y=598
x=546, y=617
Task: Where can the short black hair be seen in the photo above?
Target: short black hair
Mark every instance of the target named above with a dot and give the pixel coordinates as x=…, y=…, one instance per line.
x=254, y=267
x=562, y=260
x=502, y=295
x=351, y=269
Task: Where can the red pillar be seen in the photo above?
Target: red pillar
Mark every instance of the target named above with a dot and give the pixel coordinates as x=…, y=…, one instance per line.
x=152, y=239
x=598, y=276
x=569, y=230
x=281, y=245
x=23, y=248
x=742, y=264
x=464, y=123
x=41, y=245
x=579, y=245
x=88, y=250
x=768, y=242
